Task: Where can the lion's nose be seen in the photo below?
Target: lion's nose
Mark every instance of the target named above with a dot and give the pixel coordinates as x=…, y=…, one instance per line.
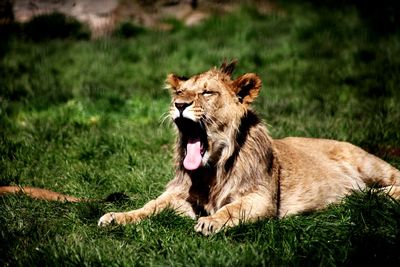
x=182, y=106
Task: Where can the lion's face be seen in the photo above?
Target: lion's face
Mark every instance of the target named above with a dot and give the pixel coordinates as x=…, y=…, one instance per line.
x=207, y=108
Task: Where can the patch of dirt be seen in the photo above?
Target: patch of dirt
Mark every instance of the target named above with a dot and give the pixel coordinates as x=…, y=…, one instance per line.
x=102, y=16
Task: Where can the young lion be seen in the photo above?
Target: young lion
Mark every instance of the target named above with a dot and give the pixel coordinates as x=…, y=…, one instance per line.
x=229, y=170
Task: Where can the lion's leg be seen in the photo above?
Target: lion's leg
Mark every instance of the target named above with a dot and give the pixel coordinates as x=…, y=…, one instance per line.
x=246, y=209
x=373, y=170
x=166, y=200
x=376, y=172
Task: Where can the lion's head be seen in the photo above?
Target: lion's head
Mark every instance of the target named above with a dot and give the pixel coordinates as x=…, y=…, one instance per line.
x=207, y=110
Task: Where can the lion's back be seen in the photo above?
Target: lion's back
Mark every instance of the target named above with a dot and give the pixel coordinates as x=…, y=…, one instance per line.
x=315, y=172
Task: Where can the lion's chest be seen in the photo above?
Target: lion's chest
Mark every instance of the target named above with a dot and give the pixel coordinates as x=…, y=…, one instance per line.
x=200, y=199
x=207, y=196
x=204, y=193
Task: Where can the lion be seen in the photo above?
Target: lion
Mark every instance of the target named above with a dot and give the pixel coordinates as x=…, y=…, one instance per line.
x=228, y=169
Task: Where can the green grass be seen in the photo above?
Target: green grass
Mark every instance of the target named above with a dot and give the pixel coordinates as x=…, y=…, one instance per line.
x=84, y=118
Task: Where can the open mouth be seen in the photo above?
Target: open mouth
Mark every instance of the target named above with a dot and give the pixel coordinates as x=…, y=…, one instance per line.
x=194, y=138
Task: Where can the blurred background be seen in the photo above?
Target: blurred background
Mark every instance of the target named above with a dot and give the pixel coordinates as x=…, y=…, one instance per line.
x=102, y=17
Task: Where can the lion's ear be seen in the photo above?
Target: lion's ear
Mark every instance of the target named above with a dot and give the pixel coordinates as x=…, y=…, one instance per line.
x=173, y=81
x=247, y=87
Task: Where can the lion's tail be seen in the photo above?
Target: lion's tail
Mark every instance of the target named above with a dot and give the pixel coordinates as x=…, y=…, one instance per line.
x=39, y=193
x=45, y=194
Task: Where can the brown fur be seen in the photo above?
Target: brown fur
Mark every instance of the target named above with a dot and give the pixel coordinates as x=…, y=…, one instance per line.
x=245, y=175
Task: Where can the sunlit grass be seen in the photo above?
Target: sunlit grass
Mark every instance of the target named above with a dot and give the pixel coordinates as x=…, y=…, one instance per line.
x=85, y=118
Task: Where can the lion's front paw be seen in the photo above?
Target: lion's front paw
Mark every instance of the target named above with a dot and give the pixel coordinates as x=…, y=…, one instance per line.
x=107, y=219
x=208, y=225
x=120, y=218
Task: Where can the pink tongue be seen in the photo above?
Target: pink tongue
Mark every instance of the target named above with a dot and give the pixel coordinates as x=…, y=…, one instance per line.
x=193, y=157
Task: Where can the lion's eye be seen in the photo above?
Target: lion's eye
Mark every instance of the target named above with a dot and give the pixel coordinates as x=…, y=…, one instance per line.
x=208, y=93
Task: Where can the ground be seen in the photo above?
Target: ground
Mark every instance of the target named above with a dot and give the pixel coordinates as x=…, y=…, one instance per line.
x=103, y=16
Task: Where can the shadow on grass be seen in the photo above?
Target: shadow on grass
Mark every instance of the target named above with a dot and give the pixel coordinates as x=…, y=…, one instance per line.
x=383, y=17
x=351, y=66
x=45, y=27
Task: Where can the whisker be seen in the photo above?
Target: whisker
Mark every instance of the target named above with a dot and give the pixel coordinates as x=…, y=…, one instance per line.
x=166, y=115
